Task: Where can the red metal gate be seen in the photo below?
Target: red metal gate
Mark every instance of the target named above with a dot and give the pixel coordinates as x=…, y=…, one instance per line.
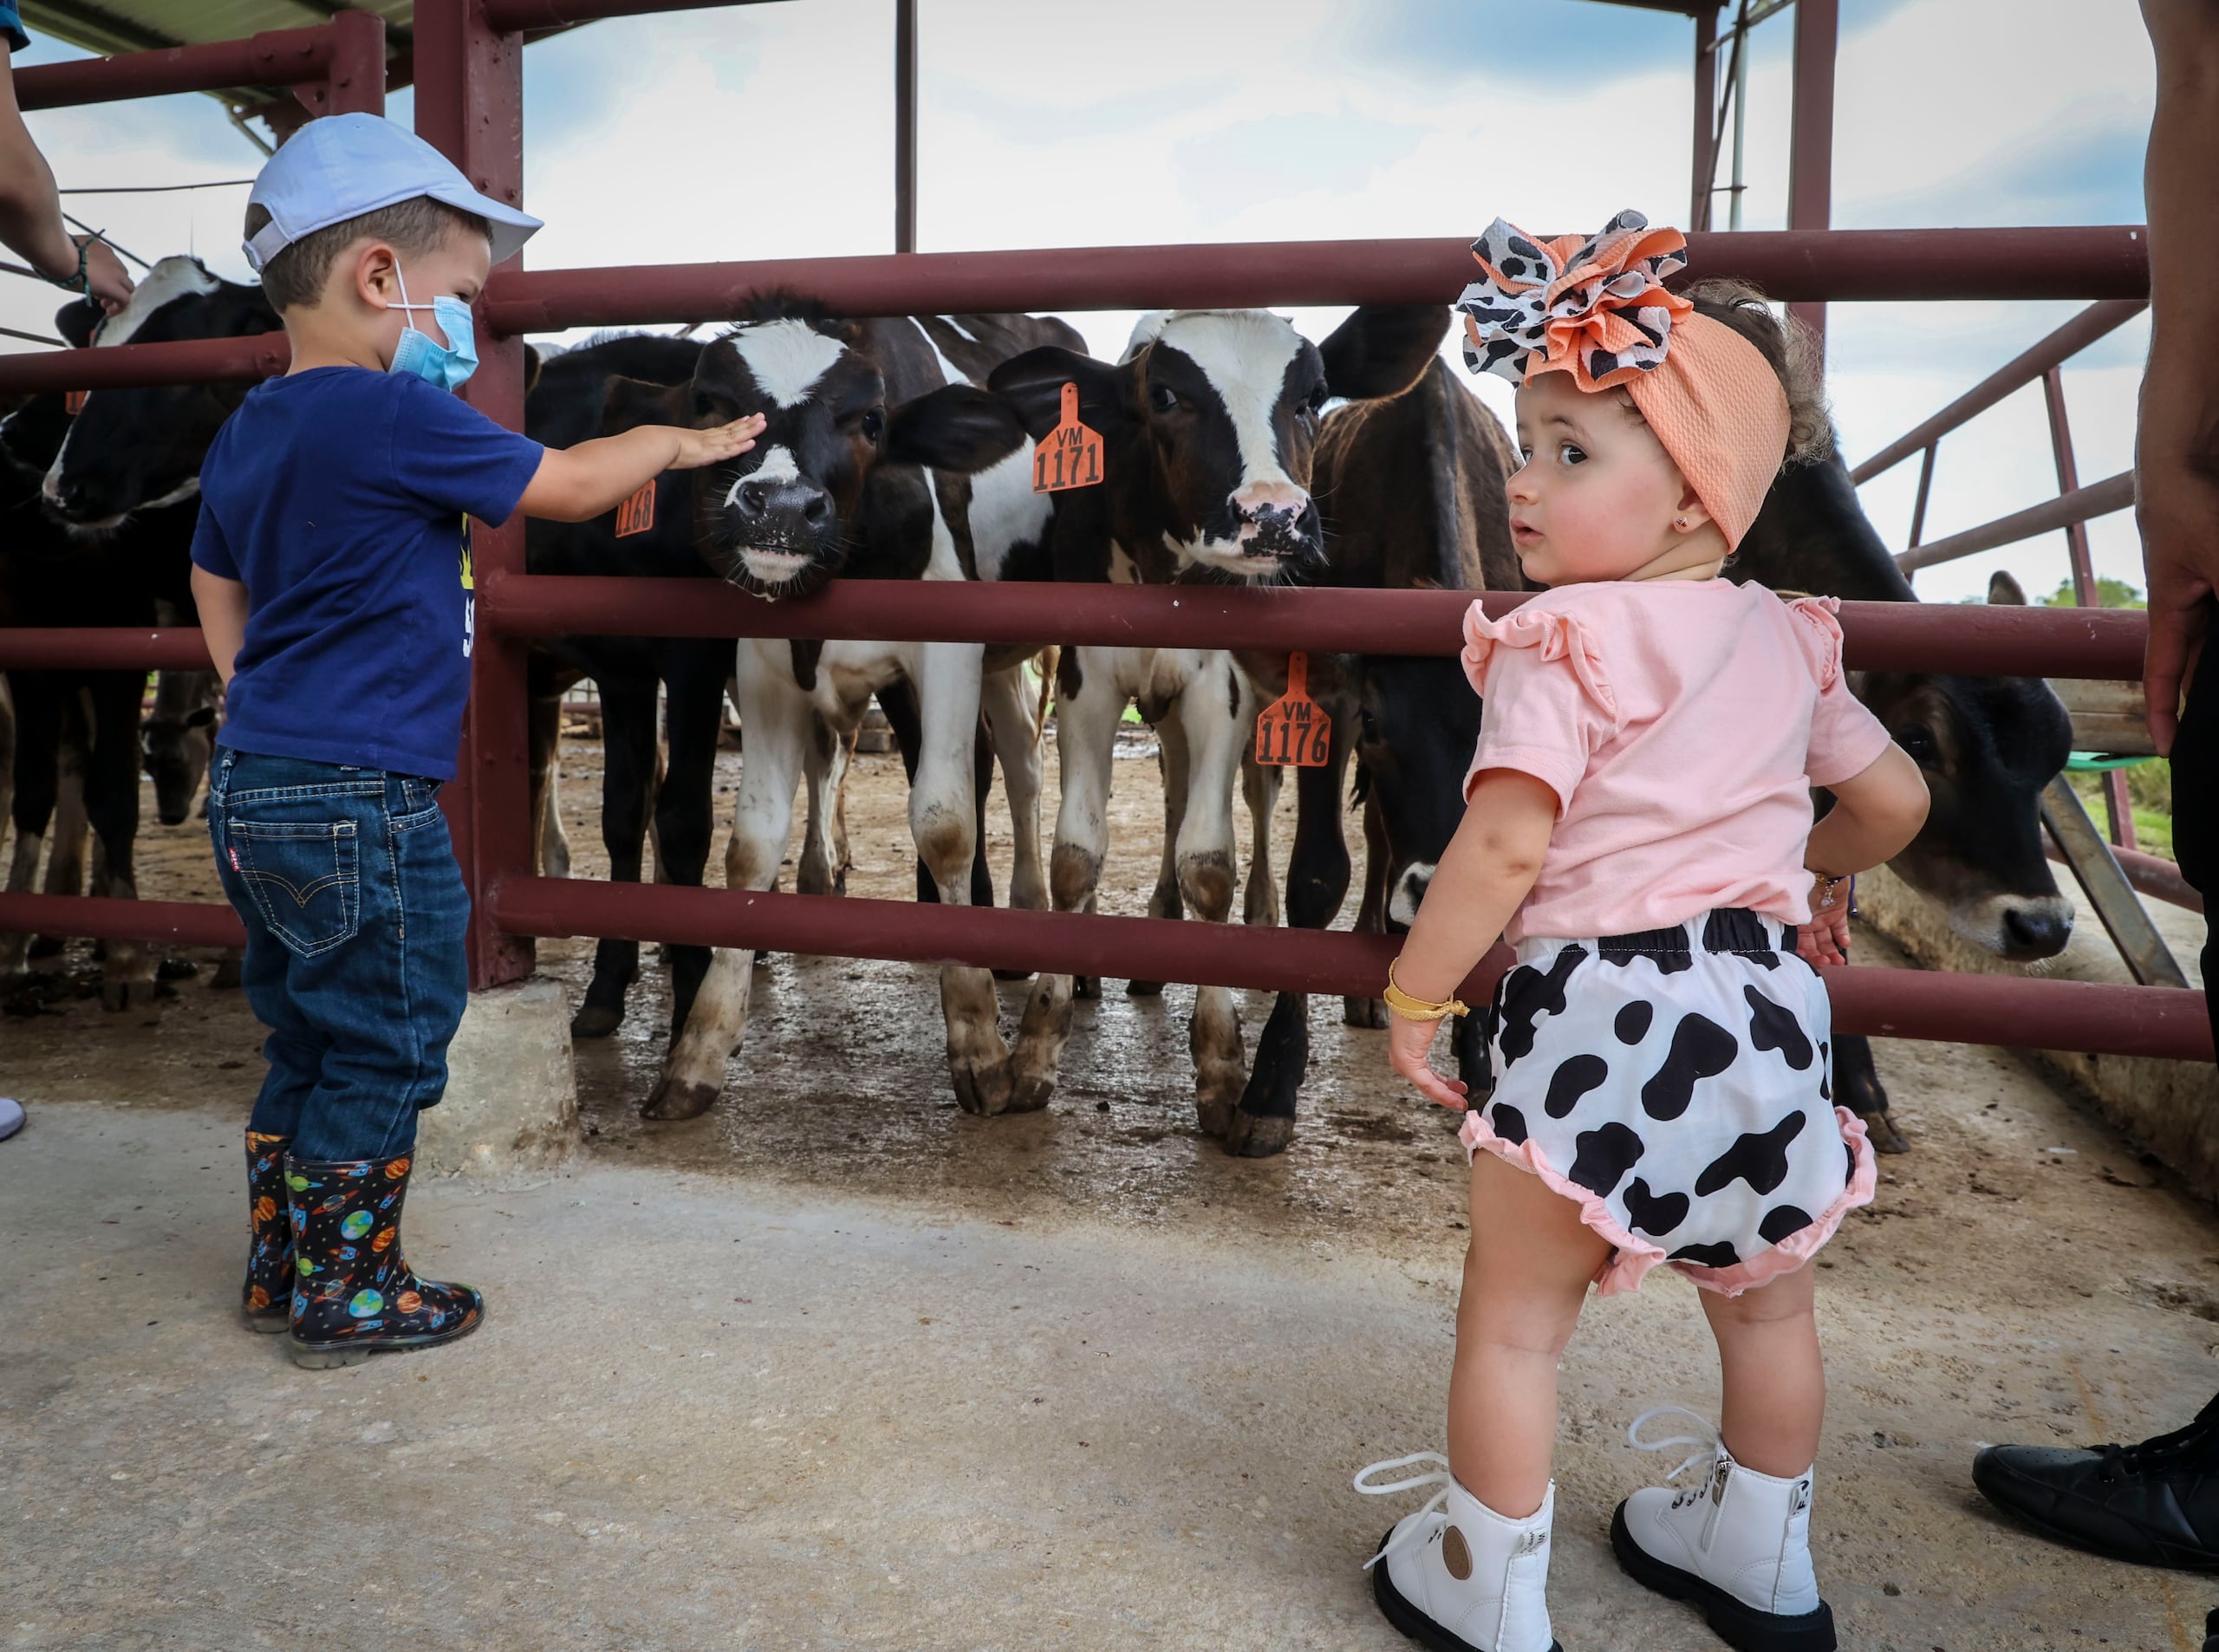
x=469, y=80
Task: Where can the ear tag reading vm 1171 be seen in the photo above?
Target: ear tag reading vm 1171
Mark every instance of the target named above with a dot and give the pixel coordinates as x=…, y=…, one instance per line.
x=1294, y=729
x=1070, y=456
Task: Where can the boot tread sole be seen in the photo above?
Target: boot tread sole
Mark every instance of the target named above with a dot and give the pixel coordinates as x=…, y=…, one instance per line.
x=1412, y=1621
x=1734, y=1620
x=326, y=1356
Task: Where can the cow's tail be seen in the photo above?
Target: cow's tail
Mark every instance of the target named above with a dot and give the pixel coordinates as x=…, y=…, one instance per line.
x=1045, y=662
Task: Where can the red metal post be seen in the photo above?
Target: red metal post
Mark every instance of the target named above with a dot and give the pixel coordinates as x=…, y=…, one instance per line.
x=1706, y=156
x=1925, y=487
x=2117, y=806
x=355, y=82
x=469, y=106
x=1811, y=143
x=276, y=57
x=905, y=126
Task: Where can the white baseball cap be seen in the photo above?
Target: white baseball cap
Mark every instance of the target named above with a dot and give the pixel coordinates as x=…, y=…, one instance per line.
x=342, y=165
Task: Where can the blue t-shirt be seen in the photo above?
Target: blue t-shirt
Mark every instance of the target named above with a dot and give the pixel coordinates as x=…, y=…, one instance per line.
x=340, y=498
x=11, y=29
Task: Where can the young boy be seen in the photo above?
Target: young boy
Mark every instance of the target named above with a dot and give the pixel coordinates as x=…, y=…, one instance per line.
x=332, y=568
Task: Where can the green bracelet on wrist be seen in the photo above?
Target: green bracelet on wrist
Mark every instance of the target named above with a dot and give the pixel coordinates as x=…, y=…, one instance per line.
x=83, y=281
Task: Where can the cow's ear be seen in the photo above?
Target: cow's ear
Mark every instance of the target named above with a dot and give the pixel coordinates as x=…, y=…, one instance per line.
x=2004, y=591
x=531, y=365
x=958, y=427
x=626, y=404
x=1033, y=384
x=1382, y=349
x=75, y=320
x=200, y=716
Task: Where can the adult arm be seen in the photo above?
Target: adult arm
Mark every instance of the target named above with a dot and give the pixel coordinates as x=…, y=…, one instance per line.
x=30, y=210
x=2177, y=450
x=578, y=483
x=1488, y=870
x=222, y=618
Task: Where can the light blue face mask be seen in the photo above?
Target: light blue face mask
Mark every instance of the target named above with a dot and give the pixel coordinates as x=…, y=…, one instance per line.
x=449, y=365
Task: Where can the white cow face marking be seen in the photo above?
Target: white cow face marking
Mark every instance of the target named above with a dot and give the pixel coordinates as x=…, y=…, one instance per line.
x=1232, y=397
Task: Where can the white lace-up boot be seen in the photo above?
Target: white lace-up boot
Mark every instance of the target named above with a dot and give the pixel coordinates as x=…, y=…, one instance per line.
x=1456, y=1576
x=1738, y=1546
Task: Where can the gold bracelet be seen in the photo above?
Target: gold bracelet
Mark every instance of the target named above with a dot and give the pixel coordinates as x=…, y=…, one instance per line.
x=1417, y=1009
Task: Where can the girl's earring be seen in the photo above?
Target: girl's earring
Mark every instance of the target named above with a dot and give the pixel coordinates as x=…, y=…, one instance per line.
x=1680, y=523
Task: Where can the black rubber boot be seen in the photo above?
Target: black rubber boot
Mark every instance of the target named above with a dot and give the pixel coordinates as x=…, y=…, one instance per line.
x=354, y=1295
x=2155, y=1504
x=265, y=1299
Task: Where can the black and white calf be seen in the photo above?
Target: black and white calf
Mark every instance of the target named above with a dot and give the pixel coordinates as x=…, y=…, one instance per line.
x=859, y=473
x=1208, y=424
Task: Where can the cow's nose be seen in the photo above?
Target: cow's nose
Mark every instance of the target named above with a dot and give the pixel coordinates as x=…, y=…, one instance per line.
x=1269, y=502
x=1409, y=891
x=762, y=502
x=2037, y=931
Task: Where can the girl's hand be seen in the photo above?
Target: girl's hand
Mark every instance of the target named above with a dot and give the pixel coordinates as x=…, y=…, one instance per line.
x=700, y=447
x=1408, y=1041
x=1824, y=939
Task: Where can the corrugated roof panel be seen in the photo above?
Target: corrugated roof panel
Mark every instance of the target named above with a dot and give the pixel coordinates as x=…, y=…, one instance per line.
x=109, y=26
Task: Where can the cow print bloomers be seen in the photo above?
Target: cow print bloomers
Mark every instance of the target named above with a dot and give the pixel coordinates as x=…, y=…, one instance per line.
x=1677, y=1085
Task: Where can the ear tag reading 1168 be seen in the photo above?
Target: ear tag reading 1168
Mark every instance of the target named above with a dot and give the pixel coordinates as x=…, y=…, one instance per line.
x=1070, y=455
x=637, y=514
x=1292, y=729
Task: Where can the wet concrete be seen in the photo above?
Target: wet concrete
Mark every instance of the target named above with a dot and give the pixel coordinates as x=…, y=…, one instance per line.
x=1074, y=1379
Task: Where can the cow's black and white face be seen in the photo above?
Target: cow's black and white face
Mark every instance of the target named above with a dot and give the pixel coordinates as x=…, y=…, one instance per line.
x=775, y=520
x=1417, y=721
x=1230, y=400
x=130, y=450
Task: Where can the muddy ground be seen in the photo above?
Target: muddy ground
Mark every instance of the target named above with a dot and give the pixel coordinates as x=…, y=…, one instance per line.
x=2024, y=1275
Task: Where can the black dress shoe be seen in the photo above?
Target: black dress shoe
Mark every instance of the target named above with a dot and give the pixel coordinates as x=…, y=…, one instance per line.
x=2155, y=1505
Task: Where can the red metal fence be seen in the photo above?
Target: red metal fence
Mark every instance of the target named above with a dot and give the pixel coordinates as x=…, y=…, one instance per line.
x=468, y=72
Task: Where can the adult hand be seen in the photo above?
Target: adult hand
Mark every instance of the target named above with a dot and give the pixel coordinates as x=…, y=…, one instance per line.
x=1408, y=1042
x=107, y=282
x=2178, y=512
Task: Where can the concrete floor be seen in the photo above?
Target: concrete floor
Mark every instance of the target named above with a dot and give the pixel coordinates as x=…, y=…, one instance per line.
x=989, y=1433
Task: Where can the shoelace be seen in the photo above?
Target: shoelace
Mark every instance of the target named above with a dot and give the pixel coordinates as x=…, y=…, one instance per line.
x=2160, y=1453
x=1708, y=1446
x=1432, y=1505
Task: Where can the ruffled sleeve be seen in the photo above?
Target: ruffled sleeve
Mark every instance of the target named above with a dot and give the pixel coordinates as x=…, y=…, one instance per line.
x=1549, y=705
x=1846, y=739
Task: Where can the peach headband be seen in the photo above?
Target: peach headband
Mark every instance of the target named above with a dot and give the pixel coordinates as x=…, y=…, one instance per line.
x=1597, y=310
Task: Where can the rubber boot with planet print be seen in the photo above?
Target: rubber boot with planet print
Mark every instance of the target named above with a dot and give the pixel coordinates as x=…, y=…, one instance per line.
x=265, y=1299
x=352, y=1294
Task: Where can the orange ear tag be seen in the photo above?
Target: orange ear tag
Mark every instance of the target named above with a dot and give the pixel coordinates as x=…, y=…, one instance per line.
x=1293, y=728
x=636, y=514
x=1070, y=455
x=74, y=402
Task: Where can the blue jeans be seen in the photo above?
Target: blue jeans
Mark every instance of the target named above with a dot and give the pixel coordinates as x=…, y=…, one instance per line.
x=354, y=912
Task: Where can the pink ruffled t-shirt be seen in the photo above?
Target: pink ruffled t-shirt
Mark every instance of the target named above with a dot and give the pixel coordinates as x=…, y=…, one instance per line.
x=1682, y=724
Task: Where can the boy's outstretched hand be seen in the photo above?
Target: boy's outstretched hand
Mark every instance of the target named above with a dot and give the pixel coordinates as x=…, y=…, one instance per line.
x=1407, y=1042
x=721, y=442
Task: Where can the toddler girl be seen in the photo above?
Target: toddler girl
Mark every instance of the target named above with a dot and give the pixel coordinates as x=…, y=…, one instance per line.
x=1639, y=827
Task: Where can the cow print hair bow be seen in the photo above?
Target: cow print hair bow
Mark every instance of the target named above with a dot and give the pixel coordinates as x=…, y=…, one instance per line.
x=1596, y=307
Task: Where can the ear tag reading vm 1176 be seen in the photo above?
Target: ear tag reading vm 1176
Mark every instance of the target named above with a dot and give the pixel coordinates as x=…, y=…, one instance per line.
x=637, y=514
x=1294, y=729
x=1070, y=455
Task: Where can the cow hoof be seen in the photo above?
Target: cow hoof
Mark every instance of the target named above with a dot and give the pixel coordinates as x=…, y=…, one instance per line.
x=127, y=995
x=1086, y=986
x=1880, y=1131
x=1364, y=1012
x=49, y=946
x=674, y=1099
x=1215, y=1115
x=597, y=1021
x=1252, y=1136
x=984, y=1090
x=226, y=978
x=176, y=969
x=1143, y=989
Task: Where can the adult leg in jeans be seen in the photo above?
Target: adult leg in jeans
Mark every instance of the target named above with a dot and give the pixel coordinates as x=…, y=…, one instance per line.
x=2156, y=1503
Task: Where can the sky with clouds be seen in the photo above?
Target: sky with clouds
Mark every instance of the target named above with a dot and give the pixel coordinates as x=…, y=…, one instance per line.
x=767, y=130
